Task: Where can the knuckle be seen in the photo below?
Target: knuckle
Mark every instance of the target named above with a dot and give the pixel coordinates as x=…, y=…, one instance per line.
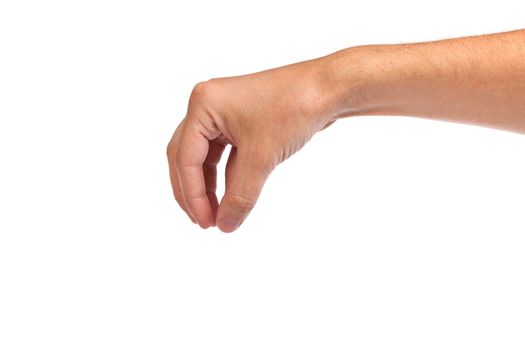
x=242, y=203
x=201, y=90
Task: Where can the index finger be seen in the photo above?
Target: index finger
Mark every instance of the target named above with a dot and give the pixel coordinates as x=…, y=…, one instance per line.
x=191, y=154
x=174, y=177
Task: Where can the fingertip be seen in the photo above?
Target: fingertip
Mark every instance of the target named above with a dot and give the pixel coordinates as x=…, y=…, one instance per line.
x=201, y=212
x=228, y=225
x=206, y=221
x=204, y=226
x=203, y=222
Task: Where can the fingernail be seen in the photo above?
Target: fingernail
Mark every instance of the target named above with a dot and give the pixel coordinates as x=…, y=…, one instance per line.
x=228, y=225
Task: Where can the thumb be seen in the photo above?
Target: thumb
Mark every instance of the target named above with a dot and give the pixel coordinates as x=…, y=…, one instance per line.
x=246, y=174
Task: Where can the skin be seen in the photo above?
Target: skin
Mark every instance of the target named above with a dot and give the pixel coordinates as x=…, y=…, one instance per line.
x=268, y=116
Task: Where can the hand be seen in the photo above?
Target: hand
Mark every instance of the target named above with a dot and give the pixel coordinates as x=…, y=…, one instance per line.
x=266, y=117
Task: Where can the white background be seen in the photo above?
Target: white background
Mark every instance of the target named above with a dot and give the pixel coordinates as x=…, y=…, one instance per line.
x=382, y=233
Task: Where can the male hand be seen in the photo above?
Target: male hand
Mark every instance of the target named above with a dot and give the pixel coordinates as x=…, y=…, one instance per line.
x=266, y=117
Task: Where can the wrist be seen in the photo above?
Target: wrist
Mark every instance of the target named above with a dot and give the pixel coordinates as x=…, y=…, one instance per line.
x=357, y=81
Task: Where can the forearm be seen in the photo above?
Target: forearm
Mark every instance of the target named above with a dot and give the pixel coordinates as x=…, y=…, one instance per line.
x=476, y=80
